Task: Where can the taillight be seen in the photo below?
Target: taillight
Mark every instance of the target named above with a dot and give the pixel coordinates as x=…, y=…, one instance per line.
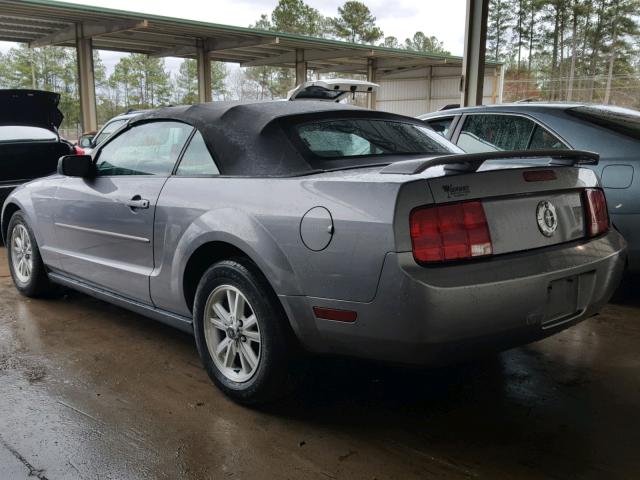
x=78, y=150
x=596, y=212
x=449, y=232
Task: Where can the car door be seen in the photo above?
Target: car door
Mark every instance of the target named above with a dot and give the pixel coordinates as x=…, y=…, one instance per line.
x=104, y=225
x=176, y=213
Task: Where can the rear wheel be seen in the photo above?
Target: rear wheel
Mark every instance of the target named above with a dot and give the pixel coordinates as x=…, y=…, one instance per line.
x=232, y=333
x=241, y=333
x=25, y=263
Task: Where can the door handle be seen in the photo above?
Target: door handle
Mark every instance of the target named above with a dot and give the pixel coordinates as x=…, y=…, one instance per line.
x=138, y=202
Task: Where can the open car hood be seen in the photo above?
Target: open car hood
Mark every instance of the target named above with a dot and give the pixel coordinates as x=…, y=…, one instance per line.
x=35, y=108
x=332, y=90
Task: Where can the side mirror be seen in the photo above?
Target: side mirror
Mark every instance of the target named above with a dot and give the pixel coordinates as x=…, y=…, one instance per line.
x=86, y=141
x=76, y=166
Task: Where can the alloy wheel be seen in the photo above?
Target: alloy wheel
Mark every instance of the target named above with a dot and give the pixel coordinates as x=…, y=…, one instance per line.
x=21, y=253
x=232, y=333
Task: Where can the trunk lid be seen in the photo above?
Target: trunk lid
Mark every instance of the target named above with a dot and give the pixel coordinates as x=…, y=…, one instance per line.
x=30, y=107
x=522, y=214
x=528, y=204
x=331, y=90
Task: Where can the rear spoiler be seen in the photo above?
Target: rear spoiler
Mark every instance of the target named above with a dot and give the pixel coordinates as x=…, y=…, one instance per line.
x=471, y=162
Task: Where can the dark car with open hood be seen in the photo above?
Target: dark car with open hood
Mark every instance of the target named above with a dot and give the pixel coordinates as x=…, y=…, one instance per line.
x=30, y=145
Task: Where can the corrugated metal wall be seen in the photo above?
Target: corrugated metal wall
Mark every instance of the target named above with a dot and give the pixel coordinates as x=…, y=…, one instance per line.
x=426, y=90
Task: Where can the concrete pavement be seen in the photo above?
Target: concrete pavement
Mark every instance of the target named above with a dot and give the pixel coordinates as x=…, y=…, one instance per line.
x=88, y=390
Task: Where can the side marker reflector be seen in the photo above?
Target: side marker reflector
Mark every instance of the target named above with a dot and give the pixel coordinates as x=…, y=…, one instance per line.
x=348, y=316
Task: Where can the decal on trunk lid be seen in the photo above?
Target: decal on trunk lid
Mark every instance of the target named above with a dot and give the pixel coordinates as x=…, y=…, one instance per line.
x=456, y=191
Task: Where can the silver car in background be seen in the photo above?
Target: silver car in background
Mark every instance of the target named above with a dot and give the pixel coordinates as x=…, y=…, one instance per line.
x=272, y=228
x=89, y=141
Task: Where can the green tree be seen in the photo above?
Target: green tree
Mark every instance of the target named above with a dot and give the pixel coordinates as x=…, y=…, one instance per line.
x=577, y=13
x=584, y=50
x=356, y=23
x=498, y=27
x=531, y=33
x=421, y=43
x=289, y=16
x=390, y=42
x=295, y=16
x=621, y=28
x=140, y=82
x=521, y=15
x=186, y=91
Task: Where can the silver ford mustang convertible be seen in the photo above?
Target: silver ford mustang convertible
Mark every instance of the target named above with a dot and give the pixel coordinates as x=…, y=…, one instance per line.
x=271, y=229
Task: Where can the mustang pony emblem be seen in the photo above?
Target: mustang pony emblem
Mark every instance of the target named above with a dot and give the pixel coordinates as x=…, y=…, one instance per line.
x=547, y=218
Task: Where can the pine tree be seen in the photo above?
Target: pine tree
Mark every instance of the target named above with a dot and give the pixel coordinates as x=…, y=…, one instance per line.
x=499, y=25
x=289, y=16
x=186, y=82
x=421, y=43
x=356, y=23
x=390, y=42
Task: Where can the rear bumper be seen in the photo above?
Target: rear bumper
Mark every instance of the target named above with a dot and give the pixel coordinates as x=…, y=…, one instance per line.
x=627, y=225
x=440, y=315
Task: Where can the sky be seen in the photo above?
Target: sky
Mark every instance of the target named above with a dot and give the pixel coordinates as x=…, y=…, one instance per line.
x=398, y=18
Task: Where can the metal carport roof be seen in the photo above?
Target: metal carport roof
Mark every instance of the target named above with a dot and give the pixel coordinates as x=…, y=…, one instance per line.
x=43, y=22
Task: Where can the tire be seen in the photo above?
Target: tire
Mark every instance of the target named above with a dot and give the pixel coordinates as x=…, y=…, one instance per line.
x=30, y=276
x=247, y=379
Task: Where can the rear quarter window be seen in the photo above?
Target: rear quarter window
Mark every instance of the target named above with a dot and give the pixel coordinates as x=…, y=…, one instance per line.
x=544, y=140
x=197, y=160
x=495, y=132
x=441, y=125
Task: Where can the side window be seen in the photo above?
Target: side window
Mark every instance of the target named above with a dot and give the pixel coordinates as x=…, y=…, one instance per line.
x=490, y=133
x=441, y=125
x=108, y=130
x=542, y=139
x=196, y=159
x=147, y=149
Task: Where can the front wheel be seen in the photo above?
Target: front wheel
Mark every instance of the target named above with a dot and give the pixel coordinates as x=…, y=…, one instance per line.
x=25, y=263
x=241, y=333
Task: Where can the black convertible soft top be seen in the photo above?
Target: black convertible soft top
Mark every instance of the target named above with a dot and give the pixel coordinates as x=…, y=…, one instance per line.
x=251, y=139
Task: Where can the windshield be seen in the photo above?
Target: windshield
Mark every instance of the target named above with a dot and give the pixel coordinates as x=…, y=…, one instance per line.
x=366, y=137
x=108, y=130
x=621, y=120
x=20, y=133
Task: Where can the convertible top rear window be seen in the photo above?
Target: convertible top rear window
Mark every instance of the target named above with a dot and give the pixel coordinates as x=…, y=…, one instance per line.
x=621, y=120
x=365, y=137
